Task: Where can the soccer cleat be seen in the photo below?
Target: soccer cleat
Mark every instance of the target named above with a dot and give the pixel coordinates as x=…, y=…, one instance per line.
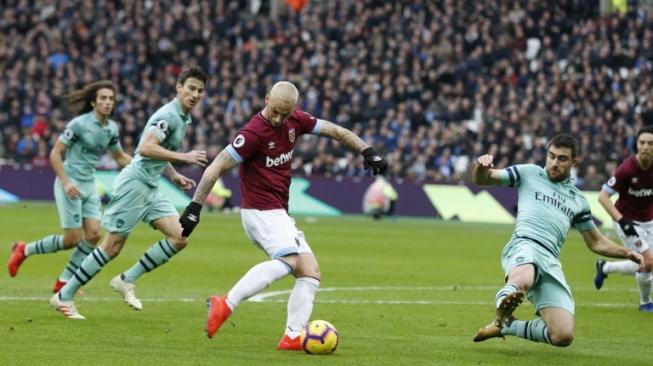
x=489, y=331
x=646, y=308
x=289, y=344
x=17, y=257
x=67, y=308
x=599, y=277
x=503, y=315
x=127, y=291
x=218, y=312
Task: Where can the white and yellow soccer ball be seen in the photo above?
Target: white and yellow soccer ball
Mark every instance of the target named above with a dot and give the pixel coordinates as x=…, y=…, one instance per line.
x=319, y=337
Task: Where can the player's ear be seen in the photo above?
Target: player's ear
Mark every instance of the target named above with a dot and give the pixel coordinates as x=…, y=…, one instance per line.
x=178, y=87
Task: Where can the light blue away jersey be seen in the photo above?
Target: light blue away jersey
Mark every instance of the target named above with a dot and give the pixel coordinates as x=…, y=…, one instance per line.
x=546, y=209
x=168, y=124
x=86, y=140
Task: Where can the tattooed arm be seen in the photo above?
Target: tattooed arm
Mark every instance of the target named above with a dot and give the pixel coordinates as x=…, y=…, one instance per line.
x=220, y=165
x=342, y=135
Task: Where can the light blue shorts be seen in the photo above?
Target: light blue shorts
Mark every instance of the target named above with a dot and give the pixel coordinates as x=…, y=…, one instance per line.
x=72, y=211
x=133, y=201
x=550, y=289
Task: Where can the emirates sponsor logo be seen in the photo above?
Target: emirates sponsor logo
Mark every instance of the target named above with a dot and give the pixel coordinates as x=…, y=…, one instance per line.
x=279, y=160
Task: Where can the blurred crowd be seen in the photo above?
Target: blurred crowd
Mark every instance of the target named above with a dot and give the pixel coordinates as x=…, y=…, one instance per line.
x=433, y=84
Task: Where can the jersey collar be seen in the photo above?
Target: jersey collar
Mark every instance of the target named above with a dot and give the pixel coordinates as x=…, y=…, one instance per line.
x=93, y=117
x=184, y=117
x=568, y=180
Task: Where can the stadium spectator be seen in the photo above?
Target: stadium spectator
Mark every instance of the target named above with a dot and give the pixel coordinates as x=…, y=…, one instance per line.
x=453, y=73
x=380, y=198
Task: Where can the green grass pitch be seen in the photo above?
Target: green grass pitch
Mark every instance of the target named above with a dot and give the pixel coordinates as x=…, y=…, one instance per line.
x=404, y=292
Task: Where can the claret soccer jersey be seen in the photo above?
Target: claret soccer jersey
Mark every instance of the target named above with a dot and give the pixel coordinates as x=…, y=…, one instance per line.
x=265, y=153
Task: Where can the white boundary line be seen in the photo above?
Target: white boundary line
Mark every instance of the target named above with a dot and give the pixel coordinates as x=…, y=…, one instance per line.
x=269, y=297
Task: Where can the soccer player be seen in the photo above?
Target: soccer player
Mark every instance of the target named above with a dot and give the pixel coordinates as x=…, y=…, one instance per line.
x=136, y=197
x=264, y=149
x=632, y=215
x=549, y=204
x=83, y=142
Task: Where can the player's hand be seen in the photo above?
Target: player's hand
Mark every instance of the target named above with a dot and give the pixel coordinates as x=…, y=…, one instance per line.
x=71, y=190
x=196, y=157
x=637, y=258
x=183, y=182
x=628, y=227
x=190, y=218
x=374, y=161
x=485, y=161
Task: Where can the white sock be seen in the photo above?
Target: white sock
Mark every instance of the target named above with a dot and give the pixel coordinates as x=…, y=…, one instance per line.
x=300, y=305
x=623, y=267
x=255, y=280
x=644, y=282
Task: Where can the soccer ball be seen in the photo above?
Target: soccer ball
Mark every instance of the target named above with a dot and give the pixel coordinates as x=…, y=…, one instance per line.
x=319, y=337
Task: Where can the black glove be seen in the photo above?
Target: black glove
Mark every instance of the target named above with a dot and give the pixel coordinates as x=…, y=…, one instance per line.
x=374, y=161
x=628, y=227
x=190, y=218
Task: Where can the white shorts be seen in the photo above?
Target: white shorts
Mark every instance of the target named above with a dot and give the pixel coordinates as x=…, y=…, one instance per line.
x=639, y=244
x=274, y=231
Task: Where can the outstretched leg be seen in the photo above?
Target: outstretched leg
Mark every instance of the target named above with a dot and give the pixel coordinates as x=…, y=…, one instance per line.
x=300, y=303
x=556, y=327
x=254, y=281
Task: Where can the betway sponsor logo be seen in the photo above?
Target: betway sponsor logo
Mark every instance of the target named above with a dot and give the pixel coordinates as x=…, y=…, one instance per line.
x=644, y=192
x=279, y=160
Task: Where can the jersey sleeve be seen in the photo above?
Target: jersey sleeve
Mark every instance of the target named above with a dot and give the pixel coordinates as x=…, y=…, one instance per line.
x=617, y=182
x=244, y=146
x=70, y=134
x=512, y=176
x=160, y=126
x=583, y=220
x=114, y=143
x=308, y=123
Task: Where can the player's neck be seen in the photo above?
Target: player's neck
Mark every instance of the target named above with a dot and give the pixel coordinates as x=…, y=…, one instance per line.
x=102, y=118
x=644, y=164
x=184, y=110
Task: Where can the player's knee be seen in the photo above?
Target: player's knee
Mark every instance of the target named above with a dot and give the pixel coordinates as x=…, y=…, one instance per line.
x=562, y=339
x=112, y=248
x=648, y=264
x=93, y=237
x=112, y=251
x=178, y=242
x=313, y=271
x=71, y=240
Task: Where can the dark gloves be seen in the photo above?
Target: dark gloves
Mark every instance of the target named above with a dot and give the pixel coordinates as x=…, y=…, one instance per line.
x=374, y=161
x=628, y=227
x=190, y=218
